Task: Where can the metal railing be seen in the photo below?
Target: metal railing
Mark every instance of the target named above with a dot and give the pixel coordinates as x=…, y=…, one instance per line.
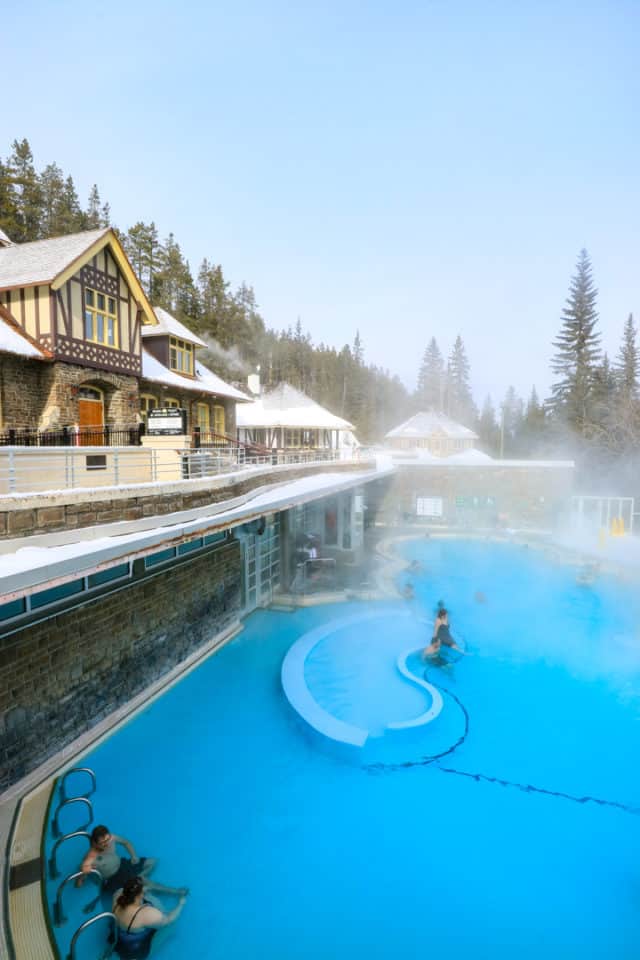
x=55, y=825
x=46, y=469
x=105, y=436
x=58, y=914
x=53, y=859
x=111, y=940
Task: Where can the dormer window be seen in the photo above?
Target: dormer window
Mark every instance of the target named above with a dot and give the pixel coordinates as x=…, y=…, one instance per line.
x=100, y=318
x=181, y=356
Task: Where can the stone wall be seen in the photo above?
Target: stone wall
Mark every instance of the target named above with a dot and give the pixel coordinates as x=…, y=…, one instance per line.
x=47, y=514
x=40, y=395
x=24, y=386
x=60, y=677
x=509, y=495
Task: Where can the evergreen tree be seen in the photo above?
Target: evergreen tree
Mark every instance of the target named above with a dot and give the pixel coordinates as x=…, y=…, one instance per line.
x=27, y=193
x=429, y=394
x=143, y=248
x=172, y=285
x=628, y=362
x=577, y=351
x=487, y=428
x=460, y=403
x=93, y=216
x=533, y=425
x=9, y=220
x=512, y=409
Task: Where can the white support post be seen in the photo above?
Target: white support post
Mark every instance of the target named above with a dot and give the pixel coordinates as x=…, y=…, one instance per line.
x=12, y=471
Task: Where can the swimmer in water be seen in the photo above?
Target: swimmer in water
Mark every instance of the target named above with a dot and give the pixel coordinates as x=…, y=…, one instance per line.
x=479, y=597
x=441, y=635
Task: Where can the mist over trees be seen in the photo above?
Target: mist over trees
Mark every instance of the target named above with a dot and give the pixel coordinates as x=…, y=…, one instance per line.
x=592, y=413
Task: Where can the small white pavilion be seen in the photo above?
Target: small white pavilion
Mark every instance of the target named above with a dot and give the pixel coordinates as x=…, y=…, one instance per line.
x=287, y=419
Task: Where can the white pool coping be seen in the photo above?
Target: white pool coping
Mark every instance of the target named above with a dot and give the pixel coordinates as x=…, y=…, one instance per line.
x=304, y=703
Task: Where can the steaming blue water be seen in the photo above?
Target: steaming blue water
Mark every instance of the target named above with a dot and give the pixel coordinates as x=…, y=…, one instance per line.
x=295, y=849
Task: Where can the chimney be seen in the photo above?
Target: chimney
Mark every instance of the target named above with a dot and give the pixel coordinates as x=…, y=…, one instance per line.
x=253, y=382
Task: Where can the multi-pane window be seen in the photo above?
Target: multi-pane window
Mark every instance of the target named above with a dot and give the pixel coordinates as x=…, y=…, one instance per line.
x=218, y=418
x=202, y=411
x=292, y=438
x=147, y=402
x=181, y=355
x=100, y=318
x=170, y=402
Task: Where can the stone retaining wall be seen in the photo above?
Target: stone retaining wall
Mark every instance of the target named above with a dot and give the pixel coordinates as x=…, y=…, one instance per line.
x=58, y=678
x=21, y=517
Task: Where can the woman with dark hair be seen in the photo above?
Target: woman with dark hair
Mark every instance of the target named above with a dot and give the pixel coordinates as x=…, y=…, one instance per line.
x=441, y=635
x=139, y=920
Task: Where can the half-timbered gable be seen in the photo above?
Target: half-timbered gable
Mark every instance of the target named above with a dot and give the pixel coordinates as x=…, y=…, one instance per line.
x=79, y=298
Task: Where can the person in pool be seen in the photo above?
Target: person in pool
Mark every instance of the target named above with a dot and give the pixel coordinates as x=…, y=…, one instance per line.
x=139, y=919
x=441, y=635
x=114, y=869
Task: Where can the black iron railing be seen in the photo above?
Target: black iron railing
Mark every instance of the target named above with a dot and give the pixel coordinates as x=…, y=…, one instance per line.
x=106, y=436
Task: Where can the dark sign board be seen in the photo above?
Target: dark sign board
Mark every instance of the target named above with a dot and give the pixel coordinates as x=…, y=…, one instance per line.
x=167, y=422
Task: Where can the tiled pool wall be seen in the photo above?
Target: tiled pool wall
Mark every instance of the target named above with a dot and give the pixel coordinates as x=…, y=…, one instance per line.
x=61, y=676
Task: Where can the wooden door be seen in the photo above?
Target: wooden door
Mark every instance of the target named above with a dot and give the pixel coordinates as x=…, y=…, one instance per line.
x=91, y=421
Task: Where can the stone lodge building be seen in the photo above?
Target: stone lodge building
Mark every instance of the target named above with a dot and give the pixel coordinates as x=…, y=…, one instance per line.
x=82, y=349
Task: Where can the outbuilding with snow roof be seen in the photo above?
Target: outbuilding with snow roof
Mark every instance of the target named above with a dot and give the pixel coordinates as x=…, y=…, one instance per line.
x=433, y=432
x=284, y=418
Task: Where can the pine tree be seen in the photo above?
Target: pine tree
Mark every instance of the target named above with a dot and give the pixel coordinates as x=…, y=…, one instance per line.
x=143, y=248
x=487, y=427
x=628, y=362
x=172, y=285
x=512, y=410
x=28, y=194
x=93, y=216
x=577, y=351
x=460, y=403
x=429, y=394
x=9, y=220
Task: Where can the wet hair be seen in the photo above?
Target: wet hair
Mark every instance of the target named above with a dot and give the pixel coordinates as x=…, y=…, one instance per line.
x=132, y=889
x=99, y=833
x=442, y=612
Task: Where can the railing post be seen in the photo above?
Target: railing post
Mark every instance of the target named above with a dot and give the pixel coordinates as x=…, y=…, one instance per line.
x=154, y=465
x=12, y=437
x=72, y=470
x=196, y=437
x=12, y=471
x=66, y=439
x=107, y=435
x=116, y=466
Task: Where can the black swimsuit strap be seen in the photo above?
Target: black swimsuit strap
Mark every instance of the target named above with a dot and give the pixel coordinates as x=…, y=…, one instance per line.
x=134, y=916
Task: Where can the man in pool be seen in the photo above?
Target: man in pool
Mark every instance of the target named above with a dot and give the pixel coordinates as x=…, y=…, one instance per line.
x=441, y=636
x=114, y=869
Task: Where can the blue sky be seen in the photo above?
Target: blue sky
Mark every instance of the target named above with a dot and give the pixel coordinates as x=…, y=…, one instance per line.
x=408, y=169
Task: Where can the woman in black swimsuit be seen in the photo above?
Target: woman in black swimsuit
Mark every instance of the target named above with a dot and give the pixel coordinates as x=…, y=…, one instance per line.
x=441, y=635
x=138, y=920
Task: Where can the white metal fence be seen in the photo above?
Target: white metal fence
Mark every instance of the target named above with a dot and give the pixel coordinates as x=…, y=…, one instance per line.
x=47, y=469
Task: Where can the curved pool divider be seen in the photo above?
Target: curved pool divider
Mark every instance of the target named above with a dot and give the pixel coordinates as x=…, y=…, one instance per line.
x=437, y=702
x=304, y=703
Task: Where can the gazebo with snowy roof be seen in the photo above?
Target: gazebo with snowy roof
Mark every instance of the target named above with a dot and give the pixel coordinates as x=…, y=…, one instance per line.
x=433, y=432
x=287, y=419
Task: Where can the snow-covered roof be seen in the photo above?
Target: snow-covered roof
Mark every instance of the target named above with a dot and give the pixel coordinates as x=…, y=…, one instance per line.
x=25, y=264
x=284, y=406
x=205, y=380
x=471, y=457
x=431, y=425
x=169, y=325
x=13, y=340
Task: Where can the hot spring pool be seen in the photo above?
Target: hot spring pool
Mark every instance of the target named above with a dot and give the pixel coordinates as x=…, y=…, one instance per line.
x=524, y=840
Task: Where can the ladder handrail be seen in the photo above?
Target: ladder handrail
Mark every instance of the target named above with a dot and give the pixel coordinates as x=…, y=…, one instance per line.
x=63, y=792
x=55, y=826
x=87, y=923
x=53, y=865
x=58, y=916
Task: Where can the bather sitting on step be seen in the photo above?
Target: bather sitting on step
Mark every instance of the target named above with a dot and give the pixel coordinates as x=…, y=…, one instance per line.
x=139, y=918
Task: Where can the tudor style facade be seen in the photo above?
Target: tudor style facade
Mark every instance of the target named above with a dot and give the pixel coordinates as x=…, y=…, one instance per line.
x=72, y=313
